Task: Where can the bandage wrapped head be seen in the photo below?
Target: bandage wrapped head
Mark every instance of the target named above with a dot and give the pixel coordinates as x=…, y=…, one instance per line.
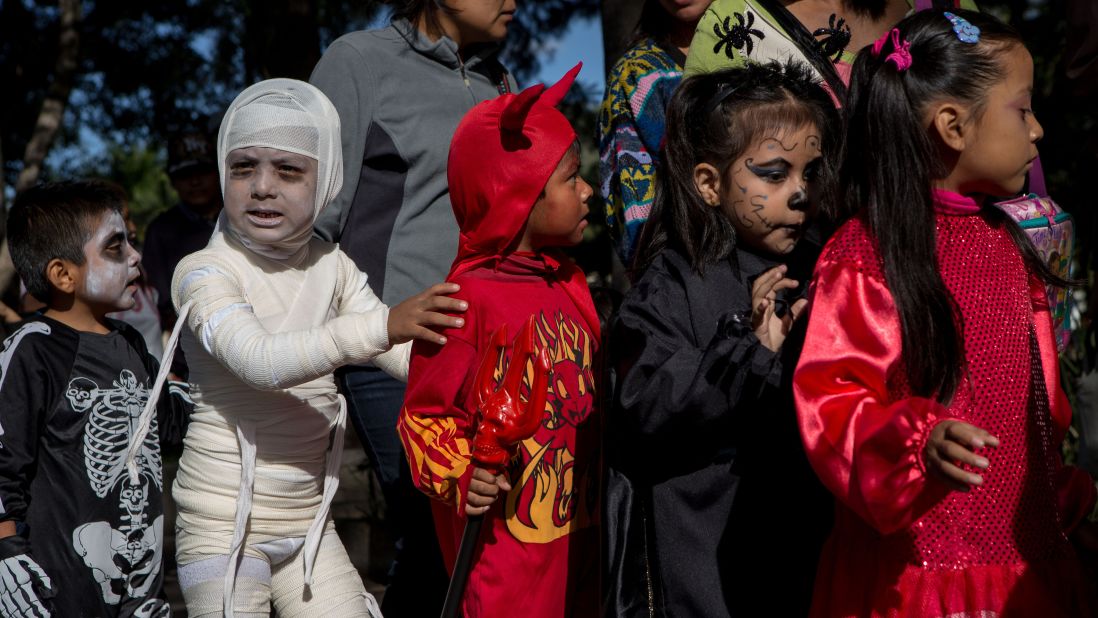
x=288, y=115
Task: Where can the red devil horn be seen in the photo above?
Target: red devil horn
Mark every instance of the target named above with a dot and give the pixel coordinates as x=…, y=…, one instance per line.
x=555, y=93
x=514, y=115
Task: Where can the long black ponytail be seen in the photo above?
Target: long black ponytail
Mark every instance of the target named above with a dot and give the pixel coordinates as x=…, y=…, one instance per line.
x=889, y=163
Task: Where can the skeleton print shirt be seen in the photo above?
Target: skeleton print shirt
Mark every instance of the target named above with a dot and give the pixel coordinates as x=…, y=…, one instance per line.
x=69, y=402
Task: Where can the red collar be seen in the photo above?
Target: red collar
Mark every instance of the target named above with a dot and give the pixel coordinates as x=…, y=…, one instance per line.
x=950, y=203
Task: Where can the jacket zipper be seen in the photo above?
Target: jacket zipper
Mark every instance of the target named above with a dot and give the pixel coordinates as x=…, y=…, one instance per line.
x=465, y=78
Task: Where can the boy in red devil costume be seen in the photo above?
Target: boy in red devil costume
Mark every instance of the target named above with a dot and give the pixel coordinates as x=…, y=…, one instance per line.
x=515, y=189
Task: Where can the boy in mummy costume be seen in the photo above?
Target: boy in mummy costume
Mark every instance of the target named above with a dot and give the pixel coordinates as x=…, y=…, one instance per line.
x=268, y=312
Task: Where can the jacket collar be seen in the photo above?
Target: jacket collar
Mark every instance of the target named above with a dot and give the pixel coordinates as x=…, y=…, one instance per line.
x=444, y=50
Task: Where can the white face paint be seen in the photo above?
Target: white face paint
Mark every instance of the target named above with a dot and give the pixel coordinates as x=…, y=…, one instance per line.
x=110, y=266
x=270, y=194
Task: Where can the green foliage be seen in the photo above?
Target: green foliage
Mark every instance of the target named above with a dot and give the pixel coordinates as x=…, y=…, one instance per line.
x=150, y=69
x=140, y=170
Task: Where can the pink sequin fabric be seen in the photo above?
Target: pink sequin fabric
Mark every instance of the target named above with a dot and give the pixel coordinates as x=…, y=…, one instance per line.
x=1011, y=518
x=903, y=543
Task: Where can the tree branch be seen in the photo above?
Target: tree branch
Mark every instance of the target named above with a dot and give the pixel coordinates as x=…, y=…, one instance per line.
x=57, y=96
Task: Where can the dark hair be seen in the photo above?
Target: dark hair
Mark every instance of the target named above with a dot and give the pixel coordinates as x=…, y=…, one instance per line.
x=55, y=220
x=414, y=10
x=713, y=118
x=654, y=22
x=889, y=162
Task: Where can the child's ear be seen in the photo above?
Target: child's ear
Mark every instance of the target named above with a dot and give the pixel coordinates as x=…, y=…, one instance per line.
x=707, y=180
x=950, y=121
x=61, y=275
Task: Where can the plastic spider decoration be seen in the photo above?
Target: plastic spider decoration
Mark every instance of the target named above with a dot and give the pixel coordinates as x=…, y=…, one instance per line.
x=836, y=36
x=737, y=36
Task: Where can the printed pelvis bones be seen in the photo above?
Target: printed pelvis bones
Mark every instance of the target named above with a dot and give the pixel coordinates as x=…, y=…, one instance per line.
x=125, y=560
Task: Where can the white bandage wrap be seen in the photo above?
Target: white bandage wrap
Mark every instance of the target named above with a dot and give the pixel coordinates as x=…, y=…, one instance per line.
x=261, y=356
x=276, y=580
x=263, y=328
x=289, y=115
x=225, y=322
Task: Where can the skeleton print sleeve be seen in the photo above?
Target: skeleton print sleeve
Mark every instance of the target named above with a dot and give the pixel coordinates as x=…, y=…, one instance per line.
x=223, y=322
x=31, y=375
x=25, y=589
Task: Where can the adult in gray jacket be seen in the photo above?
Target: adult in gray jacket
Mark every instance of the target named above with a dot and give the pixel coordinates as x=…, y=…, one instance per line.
x=400, y=92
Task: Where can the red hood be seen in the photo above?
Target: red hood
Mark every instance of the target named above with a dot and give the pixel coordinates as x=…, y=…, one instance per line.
x=501, y=157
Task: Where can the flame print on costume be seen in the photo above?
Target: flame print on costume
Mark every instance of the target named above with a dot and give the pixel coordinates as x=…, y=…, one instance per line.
x=547, y=502
x=124, y=561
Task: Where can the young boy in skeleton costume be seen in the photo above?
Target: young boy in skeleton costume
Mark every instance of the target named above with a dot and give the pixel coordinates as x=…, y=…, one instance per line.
x=270, y=312
x=72, y=387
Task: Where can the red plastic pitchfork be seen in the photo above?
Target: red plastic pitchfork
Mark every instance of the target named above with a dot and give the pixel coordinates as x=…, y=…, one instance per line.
x=504, y=422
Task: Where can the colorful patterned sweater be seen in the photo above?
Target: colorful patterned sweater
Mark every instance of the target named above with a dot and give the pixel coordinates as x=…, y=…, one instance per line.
x=631, y=125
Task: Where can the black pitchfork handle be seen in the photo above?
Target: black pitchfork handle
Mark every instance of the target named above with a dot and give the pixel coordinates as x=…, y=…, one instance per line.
x=462, y=566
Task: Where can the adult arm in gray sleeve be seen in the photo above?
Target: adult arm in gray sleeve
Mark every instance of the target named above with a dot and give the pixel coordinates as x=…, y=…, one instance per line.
x=344, y=75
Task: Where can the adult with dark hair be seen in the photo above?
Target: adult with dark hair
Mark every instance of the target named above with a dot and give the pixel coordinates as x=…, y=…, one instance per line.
x=928, y=390
x=185, y=227
x=631, y=119
x=400, y=92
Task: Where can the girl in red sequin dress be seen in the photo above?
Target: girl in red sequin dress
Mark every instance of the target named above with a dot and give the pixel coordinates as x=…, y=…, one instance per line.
x=928, y=390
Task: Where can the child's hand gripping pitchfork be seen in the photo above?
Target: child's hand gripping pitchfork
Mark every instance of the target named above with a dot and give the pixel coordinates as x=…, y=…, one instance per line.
x=504, y=422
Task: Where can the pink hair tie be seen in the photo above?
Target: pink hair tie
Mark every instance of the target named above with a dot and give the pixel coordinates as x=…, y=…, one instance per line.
x=901, y=51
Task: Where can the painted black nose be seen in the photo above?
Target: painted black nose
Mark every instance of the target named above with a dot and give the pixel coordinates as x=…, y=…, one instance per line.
x=799, y=200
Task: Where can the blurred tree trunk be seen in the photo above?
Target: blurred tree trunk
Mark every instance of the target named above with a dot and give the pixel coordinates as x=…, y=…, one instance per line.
x=49, y=118
x=53, y=106
x=619, y=20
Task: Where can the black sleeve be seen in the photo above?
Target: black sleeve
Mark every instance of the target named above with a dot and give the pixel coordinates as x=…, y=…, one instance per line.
x=670, y=385
x=174, y=406
x=158, y=270
x=32, y=374
x=174, y=413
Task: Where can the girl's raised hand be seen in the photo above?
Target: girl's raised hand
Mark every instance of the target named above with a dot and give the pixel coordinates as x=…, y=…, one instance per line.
x=953, y=444
x=415, y=317
x=769, y=327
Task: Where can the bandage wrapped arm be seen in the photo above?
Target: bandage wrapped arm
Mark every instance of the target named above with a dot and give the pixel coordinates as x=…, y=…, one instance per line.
x=223, y=322
x=865, y=446
x=358, y=297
